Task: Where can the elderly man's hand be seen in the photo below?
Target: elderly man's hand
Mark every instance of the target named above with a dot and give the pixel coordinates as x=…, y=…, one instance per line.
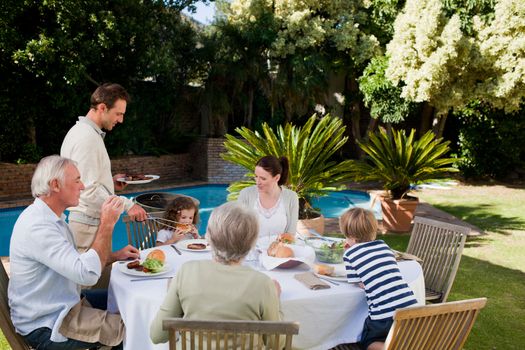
x=137, y=213
x=127, y=253
x=111, y=210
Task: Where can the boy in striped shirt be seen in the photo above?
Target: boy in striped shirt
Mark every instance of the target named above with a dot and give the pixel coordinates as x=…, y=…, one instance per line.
x=372, y=264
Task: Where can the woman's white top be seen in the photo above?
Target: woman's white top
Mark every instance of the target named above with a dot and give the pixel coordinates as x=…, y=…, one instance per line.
x=249, y=196
x=272, y=221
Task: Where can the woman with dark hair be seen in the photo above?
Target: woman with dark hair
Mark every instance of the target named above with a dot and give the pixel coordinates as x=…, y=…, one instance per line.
x=276, y=206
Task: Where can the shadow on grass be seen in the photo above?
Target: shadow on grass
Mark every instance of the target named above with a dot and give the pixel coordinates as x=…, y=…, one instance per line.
x=501, y=324
x=481, y=216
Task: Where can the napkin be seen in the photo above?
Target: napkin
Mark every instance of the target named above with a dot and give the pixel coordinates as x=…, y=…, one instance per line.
x=311, y=281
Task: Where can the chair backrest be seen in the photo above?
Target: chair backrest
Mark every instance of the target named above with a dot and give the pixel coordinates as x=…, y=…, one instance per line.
x=13, y=338
x=443, y=326
x=439, y=244
x=141, y=234
x=230, y=334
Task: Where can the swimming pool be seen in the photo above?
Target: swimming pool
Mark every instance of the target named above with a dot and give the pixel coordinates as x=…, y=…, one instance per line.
x=210, y=196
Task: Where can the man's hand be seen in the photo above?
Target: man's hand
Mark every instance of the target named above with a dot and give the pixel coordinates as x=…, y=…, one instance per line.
x=109, y=215
x=137, y=213
x=111, y=210
x=119, y=185
x=127, y=253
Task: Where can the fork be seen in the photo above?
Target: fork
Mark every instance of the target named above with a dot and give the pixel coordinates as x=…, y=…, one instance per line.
x=176, y=249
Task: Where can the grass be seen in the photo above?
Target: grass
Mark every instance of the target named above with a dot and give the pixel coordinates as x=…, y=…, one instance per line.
x=492, y=266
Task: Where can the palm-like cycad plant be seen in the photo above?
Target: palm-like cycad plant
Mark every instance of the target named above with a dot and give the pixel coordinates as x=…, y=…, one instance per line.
x=309, y=150
x=398, y=160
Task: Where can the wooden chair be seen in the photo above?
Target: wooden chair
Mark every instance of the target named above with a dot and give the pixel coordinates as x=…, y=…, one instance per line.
x=439, y=244
x=443, y=326
x=229, y=334
x=141, y=234
x=15, y=340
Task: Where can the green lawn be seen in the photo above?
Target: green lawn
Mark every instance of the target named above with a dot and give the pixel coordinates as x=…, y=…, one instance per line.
x=492, y=266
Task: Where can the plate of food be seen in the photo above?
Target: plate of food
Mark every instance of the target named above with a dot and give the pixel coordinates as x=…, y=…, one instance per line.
x=284, y=254
x=334, y=272
x=137, y=179
x=154, y=265
x=194, y=245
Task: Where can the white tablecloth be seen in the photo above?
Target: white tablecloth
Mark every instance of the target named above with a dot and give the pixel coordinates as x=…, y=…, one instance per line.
x=327, y=317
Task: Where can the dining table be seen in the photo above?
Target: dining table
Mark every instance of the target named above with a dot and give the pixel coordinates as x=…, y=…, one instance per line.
x=326, y=317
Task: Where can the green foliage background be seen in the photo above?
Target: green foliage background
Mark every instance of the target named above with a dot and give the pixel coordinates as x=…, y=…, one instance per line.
x=55, y=52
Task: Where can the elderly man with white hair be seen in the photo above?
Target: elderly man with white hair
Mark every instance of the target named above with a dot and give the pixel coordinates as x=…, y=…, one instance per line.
x=47, y=270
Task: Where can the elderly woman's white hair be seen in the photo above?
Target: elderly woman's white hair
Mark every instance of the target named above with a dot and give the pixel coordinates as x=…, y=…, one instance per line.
x=48, y=169
x=232, y=232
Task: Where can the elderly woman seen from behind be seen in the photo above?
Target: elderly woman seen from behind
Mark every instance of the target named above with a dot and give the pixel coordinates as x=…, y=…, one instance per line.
x=221, y=288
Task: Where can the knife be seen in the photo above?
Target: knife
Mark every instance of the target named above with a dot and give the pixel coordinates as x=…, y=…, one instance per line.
x=176, y=249
x=151, y=278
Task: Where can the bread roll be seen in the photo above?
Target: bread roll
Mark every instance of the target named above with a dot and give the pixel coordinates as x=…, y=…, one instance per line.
x=324, y=269
x=157, y=254
x=280, y=250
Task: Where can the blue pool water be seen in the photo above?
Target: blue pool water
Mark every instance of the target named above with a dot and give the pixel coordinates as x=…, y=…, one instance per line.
x=210, y=196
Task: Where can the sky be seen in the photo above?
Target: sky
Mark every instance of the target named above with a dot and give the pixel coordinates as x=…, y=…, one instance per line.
x=204, y=13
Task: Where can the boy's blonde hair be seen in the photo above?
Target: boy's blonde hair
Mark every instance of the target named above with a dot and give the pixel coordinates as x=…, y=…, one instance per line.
x=359, y=224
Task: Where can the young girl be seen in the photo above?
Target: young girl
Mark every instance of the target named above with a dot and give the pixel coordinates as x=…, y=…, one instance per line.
x=371, y=264
x=183, y=214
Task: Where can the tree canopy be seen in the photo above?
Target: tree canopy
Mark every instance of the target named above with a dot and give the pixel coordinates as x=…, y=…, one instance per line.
x=437, y=58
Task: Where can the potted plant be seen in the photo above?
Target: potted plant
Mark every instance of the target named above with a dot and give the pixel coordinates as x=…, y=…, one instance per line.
x=309, y=150
x=398, y=162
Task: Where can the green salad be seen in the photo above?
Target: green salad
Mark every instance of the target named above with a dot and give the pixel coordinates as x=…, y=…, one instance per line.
x=331, y=253
x=153, y=265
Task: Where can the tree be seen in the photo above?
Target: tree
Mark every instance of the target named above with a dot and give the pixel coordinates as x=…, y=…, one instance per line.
x=55, y=52
x=443, y=60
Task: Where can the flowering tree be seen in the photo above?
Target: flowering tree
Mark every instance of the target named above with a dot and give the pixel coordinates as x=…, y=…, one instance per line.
x=434, y=59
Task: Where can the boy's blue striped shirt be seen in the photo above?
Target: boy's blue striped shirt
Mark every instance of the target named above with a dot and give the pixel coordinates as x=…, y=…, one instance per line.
x=373, y=264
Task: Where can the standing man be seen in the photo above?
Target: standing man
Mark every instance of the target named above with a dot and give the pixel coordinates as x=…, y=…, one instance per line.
x=84, y=143
x=47, y=270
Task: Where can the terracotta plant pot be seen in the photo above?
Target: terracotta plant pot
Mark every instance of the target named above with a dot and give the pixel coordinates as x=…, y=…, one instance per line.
x=398, y=213
x=316, y=224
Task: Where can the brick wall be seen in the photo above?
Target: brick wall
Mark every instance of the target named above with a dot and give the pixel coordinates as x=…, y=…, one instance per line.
x=202, y=162
x=15, y=179
x=208, y=164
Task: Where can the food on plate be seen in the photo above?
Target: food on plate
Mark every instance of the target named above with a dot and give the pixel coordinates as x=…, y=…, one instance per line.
x=286, y=238
x=136, y=177
x=280, y=250
x=196, y=246
x=135, y=265
x=324, y=269
x=154, y=261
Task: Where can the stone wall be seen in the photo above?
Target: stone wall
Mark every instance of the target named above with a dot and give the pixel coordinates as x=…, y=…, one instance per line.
x=202, y=162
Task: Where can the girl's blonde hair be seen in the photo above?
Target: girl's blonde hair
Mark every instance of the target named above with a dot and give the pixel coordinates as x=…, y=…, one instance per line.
x=359, y=224
x=178, y=204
